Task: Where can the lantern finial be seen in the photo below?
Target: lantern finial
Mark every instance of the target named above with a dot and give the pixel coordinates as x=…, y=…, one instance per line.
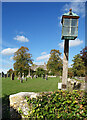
x=70, y=11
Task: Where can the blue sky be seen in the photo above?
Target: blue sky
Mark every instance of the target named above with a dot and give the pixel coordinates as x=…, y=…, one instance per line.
x=37, y=26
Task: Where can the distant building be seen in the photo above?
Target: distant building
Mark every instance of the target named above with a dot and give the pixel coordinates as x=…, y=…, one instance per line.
x=34, y=67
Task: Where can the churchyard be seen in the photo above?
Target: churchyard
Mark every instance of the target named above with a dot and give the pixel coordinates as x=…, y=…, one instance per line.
x=31, y=85
x=36, y=85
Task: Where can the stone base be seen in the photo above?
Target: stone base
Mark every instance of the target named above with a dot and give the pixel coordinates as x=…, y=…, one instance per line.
x=63, y=86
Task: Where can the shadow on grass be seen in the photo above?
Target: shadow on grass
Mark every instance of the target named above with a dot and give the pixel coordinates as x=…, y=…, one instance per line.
x=6, y=110
x=5, y=107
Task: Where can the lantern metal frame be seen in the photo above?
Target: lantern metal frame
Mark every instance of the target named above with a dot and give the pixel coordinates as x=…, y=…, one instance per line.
x=69, y=16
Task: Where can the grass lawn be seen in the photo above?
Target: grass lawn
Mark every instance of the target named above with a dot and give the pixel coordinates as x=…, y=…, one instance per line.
x=31, y=85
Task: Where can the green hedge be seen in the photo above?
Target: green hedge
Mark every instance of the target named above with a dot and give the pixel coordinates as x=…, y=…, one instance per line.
x=59, y=105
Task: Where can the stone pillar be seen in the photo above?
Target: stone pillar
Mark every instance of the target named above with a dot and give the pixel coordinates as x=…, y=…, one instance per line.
x=29, y=72
x=23, y=75
x=65, y=64
x=12, y=76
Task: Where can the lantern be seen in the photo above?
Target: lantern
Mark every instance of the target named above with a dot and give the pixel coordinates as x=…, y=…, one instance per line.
x=69, y=25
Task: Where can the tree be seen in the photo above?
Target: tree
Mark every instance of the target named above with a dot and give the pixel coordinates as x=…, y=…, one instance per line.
x=54, y=64
x=84, y=58
x=40, y=71
x=84, y=55
x=78, y=66
x=22, y=60
x=10, y=71
x=70, y=73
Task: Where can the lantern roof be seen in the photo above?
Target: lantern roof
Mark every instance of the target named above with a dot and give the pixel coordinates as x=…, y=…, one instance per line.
x=70, y=14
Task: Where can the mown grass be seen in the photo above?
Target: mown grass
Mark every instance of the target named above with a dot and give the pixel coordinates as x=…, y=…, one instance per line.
x=31, y=85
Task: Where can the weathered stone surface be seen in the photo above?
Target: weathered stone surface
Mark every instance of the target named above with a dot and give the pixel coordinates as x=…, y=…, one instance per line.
x=18, y=101
x=74, y=84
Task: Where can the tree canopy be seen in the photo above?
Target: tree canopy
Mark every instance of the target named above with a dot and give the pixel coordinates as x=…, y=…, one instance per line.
x=10, y=71
x=78, y=66
x=83, y=53
x=70, y=73
x=22, y=59
x=40, y=71
x=54, y=64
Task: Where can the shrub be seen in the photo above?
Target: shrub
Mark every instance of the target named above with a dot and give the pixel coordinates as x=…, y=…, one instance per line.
x=60, y=105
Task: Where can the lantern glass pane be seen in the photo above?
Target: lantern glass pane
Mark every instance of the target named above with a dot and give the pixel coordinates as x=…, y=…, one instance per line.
x=66, y=22
x=66, y=31
x=70, y=31
x=74, y=22
x=74, y=31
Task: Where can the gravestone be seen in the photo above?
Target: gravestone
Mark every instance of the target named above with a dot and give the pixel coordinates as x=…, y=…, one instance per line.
x=35, y=76
x=19, y=76
x=5, y=75
x=23, y=76
x=46, y=77
x=21, y=80
x=12, y=76
x=43, y=76
x=8, y=75
x=2, y=74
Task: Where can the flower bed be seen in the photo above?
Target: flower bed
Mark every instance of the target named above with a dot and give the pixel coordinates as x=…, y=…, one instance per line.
x=62, y=105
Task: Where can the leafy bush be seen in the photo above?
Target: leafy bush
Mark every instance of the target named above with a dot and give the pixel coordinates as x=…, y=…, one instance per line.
x=60, y=105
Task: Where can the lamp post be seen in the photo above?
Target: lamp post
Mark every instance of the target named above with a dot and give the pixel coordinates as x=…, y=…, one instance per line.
x=69, y=32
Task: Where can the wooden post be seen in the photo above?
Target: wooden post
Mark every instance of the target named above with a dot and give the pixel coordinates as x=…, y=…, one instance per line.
x=65, y=64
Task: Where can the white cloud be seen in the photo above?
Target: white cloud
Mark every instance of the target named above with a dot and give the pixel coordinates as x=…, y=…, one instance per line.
x=43, y=57
x=75, y=42
x=21, y=38
x=43, y=53
x=8, y=51
x=4, y=70
x=5, y=64
x=72, y=43
x=61, y=44
x=78, y=6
